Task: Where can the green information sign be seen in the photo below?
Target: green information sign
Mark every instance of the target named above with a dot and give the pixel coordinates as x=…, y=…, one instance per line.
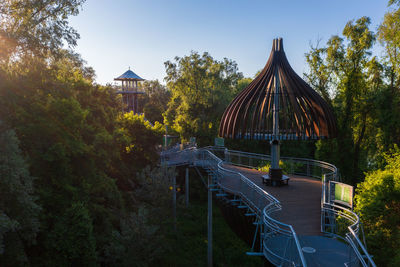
x=218, y=141
x=343, y=193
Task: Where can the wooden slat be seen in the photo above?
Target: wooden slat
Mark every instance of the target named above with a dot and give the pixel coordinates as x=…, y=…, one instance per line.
x=304, y=113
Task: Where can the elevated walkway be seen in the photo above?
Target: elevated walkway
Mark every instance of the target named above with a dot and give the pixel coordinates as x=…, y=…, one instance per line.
x=301, y=201
x=297, y=225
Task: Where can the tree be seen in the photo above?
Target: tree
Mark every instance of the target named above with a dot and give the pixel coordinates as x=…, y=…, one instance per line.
x=201, y=89
x=71, y=241
x=378, y=205
x=141, y=237
x=242, y=83
x=319, y=74
x=155, y=100
x=36, y=26
x=19, y=222
x=138, y=141
x=341, y=68
x=389, y=101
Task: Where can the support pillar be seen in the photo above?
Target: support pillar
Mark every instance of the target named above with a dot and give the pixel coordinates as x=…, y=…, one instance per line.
x=187, y=187
x=275, y=172
x=275, y=154
x=174, y=201
x=166, y=137
x=136, y=111
x=209, y=234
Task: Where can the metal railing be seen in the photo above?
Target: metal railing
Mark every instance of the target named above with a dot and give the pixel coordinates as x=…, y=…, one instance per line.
x=345, y=224
x=288, y=252
x=336, y=221
x=175, y=156
x=291, y=165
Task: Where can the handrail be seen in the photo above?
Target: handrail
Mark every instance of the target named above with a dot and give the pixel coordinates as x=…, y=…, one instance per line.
x=353, y=231
x=329, y=172
x=350, y=238
x=330, y=169
x=274, y=205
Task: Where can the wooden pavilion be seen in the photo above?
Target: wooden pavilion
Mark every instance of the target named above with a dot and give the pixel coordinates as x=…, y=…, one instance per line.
x=130, y=91
x=278, y=105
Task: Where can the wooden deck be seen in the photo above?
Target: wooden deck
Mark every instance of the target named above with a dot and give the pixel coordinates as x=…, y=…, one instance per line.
x=301, y=200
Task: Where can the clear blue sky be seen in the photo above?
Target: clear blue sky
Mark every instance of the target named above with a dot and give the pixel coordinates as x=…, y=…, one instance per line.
x=144, y=34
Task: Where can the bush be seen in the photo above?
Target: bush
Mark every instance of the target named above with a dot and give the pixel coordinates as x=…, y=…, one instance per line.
x=378, y=204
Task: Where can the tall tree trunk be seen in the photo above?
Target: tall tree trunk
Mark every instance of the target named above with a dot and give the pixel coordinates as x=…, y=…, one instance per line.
x=357, y=147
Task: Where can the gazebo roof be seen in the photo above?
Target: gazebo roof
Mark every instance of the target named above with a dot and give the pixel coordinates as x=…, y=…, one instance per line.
x=129, y=76
x=303, y=114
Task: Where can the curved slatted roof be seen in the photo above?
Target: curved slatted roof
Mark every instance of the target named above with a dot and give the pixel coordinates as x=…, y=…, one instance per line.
x=303, y=114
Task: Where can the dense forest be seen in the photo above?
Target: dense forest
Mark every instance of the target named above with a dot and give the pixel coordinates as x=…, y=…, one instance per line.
x=80, y=183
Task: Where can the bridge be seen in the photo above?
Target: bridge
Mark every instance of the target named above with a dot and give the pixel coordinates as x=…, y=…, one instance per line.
x=296, y=225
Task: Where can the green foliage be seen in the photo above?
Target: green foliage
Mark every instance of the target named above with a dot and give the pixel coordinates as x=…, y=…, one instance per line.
x=242, y=83
x=140, y=239
x=378, y=204
x=265, y=168
x=347, y=78
x=97, y=205
x=138, y=141
x=319, y=75
x=228, y=248
x=393, y=2
x=18, y=211
x=287, y=167
x=363, y=91
x=155, y=100
x=36, y=26
x=388, y=108
x=71, y=241
x=80, y=149
x=137, y=243
x=201, y=88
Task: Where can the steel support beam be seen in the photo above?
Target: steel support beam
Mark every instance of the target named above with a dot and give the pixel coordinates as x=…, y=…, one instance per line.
x=187, y=187
x=174, y=201
x=209, y=234
x=275, y=128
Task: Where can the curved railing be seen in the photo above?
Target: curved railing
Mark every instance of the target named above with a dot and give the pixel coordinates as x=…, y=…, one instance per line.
x=321, y=170
x=291, y=165
x=175, y=156
x=335, y=220
x=263, y=204
x=345, y=224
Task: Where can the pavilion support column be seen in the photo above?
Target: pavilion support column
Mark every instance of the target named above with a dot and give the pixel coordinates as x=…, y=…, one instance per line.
x=275, y=172
x=275, y=154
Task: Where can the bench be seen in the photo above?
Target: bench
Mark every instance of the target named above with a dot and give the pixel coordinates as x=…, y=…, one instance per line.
x=268, y=181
